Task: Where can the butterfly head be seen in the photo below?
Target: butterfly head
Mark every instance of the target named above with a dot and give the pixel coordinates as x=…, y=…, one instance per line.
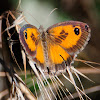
x=42, y=33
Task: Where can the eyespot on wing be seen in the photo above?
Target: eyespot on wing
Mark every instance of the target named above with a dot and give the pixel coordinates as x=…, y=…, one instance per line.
x=28, y=37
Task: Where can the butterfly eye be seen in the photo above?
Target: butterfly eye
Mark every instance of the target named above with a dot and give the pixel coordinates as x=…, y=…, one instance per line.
x=26, y=35
x=76, y=30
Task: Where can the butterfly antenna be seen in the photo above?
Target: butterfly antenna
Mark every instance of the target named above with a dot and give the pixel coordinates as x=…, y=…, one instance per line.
x=49, y=15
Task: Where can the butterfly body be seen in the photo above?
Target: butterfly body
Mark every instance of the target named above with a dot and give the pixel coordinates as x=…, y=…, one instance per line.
x=55, y=47
x=44, y=43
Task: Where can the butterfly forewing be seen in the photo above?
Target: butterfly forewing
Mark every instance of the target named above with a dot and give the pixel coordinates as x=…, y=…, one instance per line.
x=71, y=35
x=29, y=37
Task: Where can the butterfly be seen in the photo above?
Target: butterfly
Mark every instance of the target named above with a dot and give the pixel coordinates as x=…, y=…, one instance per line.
x=55, y=48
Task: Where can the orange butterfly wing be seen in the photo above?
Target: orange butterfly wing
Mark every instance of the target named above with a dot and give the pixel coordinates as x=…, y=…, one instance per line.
x=68, y=38
x=29, y=37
